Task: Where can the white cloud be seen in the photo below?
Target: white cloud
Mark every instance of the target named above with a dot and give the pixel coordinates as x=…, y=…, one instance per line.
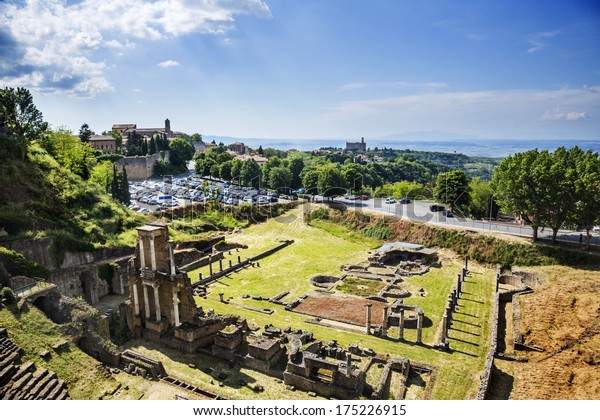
x=394, y=85
x=558, y=115
x=508, y=113
x=61, y=41
x=538, y=40
x=168, y=63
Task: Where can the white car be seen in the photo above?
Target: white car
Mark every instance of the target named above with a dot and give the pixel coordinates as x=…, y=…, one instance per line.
x=390, y=200
x=596, y=229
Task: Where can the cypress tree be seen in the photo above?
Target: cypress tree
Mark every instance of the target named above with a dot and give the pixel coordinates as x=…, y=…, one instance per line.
x=114, y=190
x=125, y=196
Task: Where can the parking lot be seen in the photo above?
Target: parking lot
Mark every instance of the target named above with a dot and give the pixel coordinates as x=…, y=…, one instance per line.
x=161, y=194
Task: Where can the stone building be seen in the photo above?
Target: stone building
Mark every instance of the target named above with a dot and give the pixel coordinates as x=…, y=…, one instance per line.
x=161, y=306
x=125, y=129
x=360, y=146
x=106, y=144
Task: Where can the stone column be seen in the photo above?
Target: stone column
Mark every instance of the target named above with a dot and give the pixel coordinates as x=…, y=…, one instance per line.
x=220, y=265
x=401, y=325
x=176, y=307
x=368, y=306
x=348, y=363
x=200, y=278
x=458, y=286
x=142, y=256
x=229, y=263
x=221, y=297
x=419, y=326
x=210, y=266
x=172, y=258
x=239, y=260
x=445, y=329
x=136, y=300
x=384, y=322
x=152, y=253
x=466, y=263
x=156, y=302
x=146, y=301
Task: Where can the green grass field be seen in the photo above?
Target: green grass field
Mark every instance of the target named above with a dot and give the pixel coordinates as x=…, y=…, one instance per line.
x=323, y=249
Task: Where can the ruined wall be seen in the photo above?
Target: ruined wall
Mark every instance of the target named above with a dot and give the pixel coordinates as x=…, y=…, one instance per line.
x=38, y=250
x=489, y=360
x=139, y=168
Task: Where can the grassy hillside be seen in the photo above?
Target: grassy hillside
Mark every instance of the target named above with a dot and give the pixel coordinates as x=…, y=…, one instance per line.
x=39, y=197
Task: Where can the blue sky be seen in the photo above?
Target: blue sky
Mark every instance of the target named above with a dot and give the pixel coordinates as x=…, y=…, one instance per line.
x=319, y=69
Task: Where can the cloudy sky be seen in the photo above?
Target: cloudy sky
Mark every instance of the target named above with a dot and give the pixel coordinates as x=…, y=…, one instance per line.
x=310, y=68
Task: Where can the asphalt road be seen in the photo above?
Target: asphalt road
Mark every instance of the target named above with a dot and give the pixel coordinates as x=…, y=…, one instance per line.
x=419, y=211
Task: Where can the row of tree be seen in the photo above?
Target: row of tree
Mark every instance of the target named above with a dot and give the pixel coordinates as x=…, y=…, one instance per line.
x=551, y=189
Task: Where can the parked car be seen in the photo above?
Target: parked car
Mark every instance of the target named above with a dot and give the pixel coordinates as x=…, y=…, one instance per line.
x=404, y=201
x=447, y=213
x=436, y=207
x=390, y=200
x=350, y=197
x=363, y=197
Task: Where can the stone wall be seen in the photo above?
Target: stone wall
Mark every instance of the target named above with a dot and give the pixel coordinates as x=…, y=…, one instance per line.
x=489, y=360
x=38, y=250
x=139, y=168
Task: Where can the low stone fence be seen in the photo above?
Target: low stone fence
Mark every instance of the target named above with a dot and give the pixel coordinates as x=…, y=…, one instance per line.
x=489, y=360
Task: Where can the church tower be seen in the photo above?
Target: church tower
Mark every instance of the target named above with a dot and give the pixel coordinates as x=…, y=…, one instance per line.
x=168, y=131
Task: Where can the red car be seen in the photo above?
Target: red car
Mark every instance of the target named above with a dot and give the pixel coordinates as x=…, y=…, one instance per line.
x=363, y=197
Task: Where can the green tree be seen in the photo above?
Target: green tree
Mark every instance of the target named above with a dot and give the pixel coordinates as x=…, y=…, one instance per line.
x=250, y=173
x=558, y=181
x=260, y=150
x=295, y=165
x=482, y=204
x=204, y=165
x=196, y=138
x=70, y=152
x=331, y=182
x=310, y=179
x=236, y=168
x=280, y=177
x=225, y=170
x=124, y=195
x=85, y=133
x=353, y=176
x=518, y=186
x=181, y=152
x=587, y=184
x=20, y=118
x=151, y=146
x=273, y=162
x=452, y=188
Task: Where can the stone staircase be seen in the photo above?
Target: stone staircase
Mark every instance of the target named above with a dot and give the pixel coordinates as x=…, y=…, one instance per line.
x=23, y=381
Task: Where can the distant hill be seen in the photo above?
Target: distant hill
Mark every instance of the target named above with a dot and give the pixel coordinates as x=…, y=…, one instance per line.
x=431, y=135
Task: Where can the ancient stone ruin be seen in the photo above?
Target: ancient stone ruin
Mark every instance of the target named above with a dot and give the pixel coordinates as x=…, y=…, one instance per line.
x=23, y=381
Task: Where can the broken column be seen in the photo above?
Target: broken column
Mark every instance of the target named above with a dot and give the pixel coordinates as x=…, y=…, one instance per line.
x=221, y=296
x=152, y=254
x=239, y=259
x=348, y=363
x=466, y=263
x=419, y=326
x=384, y=322
x=368, y=306
x=458, y=286
x=401, y=324
x=444, y=340
x=136, y=300
x=157, y=302
x=146, y=301
x=176, y=307
x=171, y=258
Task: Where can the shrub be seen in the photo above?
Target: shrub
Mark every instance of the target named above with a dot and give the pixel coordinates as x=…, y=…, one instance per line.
x=7, y=295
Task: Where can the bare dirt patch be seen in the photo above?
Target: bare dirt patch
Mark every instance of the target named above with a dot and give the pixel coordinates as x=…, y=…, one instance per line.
x=563, y=317
x=341, y=308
